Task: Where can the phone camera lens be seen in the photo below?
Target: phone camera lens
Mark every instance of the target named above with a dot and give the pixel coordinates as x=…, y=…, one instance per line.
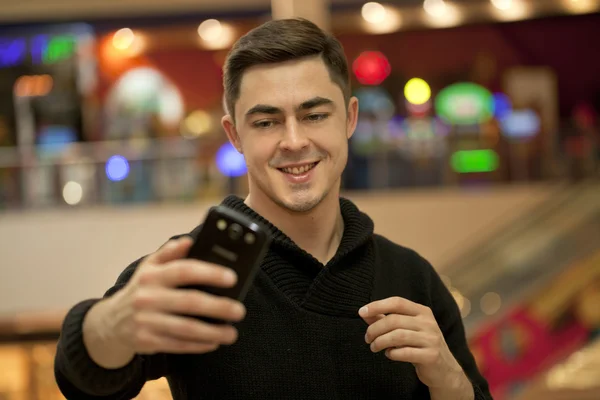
x=235, y=232
x=221, y=224
x=249, y=238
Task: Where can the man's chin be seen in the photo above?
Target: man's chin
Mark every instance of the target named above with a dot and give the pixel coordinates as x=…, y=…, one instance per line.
x=300, y=203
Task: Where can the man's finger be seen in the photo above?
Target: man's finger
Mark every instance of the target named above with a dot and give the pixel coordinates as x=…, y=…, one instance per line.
x=172, y=250
x=399, y=338
x=373, y=319
x=391, y=305
x=390, y=323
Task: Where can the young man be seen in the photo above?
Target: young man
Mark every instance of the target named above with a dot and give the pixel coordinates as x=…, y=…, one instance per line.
x=336, y=312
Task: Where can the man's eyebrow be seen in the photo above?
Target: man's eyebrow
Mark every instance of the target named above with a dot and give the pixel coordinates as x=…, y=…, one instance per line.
x=263, y=109
x=314, y=102
x=272, y=110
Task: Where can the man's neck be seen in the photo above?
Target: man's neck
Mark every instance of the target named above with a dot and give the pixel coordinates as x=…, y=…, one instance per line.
x=318, y=231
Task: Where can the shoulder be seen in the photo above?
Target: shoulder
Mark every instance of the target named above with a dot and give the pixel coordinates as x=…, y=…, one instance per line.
x=396, y=255
x=402, y=271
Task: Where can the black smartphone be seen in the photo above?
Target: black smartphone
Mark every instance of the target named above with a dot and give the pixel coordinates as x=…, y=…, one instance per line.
x=231, y=239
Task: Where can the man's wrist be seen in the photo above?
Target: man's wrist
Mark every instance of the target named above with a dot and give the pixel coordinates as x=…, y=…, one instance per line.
x=99, y=340
x=459, y=388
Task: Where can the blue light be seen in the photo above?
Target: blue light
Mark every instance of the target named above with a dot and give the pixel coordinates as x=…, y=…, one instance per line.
x=117, y=168
x=12, y=52
x=502, y=105
x=39, y=45
x=522, y=124
x=230, y=162
x=55, y=138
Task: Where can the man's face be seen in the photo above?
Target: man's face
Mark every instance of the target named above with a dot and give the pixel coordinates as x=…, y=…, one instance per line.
x=292, y=125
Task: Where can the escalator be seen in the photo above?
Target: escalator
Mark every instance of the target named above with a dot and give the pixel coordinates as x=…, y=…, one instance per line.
x=525, y=292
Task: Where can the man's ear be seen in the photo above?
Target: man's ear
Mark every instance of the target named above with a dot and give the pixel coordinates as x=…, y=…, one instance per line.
x=229, y=126
x=352, y=119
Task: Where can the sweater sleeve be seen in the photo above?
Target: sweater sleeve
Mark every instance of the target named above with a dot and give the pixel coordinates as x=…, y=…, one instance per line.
x=449, y=319
x=79, y=377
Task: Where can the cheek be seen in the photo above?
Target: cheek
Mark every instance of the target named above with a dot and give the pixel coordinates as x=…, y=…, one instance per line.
x=257, y=153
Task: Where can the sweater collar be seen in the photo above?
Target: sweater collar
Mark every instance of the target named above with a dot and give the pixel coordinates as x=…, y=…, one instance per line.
x=358, y=228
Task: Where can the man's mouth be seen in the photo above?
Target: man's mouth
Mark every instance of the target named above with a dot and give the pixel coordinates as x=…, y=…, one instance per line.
x=298, y=170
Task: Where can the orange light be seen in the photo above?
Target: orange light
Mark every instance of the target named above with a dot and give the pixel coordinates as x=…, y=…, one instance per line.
x=123, y=39
x=33, y=85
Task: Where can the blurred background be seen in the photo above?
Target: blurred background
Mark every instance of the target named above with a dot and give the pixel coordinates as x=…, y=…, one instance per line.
x=478, y=145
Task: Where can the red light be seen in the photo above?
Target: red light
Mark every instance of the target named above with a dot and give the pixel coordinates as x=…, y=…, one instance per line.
x=371, y=68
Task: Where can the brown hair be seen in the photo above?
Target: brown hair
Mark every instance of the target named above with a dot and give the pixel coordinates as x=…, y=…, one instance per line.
x=278, y=41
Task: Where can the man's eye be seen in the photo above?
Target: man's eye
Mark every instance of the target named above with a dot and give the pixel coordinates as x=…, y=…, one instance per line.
x=264, y=124
x=316, y=117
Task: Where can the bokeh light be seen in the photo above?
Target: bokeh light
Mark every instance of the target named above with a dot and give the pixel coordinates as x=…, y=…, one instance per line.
x=474, y=161
x=373, y=12
x=502, y=105
x=502, y=4
x=510, y=10
x=465, y=103
x=521, y=124
x=371, y=68
x=216, y=35
x=490, y=303
x=55, y=138
x=230, y=162
x=117, y=168
x=210, y=30
x=435, y=8
x=123, y=39
x=196, y=124
x=375, y=101
x=417, y=91
x=72, y=193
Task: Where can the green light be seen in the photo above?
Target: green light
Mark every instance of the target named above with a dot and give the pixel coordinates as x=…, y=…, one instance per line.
x=59, y=48
x=465, y=104
x=470, y=161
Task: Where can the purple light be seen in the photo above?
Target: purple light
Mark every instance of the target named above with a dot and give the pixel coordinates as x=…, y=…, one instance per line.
x=502, y=105
x=230, y=162
x=39, y=46
x=12, y=52
x=117, y=168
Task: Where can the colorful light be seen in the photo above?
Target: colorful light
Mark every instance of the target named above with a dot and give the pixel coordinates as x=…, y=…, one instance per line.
x=33, y=86
x=52, y=49
x=59, y=48
x=72, y=193
x=465, y=104
x=210, y=30
x=373, y=12
x=371, y=68
x=417, y=91
x=196, y=124
x=55, y=138
x=216, y=35
x=123, y=39
x=473, y=161
x=502, y=4
x=502, y=105
x=435, y=8
x=230, y=162
x=12, y=52
x=522, y=124
x=375, y=100
x=117, y=168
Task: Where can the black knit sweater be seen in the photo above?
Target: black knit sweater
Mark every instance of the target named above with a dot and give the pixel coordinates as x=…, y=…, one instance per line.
x=302, y=337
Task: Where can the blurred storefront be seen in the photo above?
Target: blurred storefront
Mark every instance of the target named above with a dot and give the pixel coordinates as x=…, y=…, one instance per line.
x=126, y=112
x=90, y=114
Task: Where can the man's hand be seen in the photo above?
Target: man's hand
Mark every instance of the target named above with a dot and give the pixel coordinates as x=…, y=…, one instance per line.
x=408, y=332
x=152, y=314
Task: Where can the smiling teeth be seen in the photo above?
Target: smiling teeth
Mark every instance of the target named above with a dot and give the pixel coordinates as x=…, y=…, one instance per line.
x=299, y=170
